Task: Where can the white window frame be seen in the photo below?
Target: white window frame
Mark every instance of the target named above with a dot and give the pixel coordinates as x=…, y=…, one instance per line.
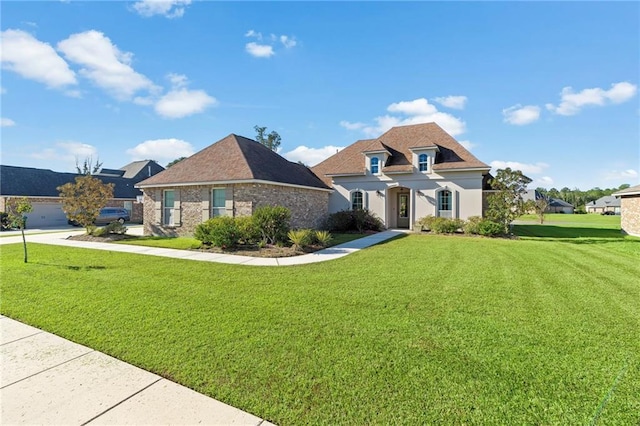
x=452, y=213
x=377, y=165
x=425, y=163
x=218, y=210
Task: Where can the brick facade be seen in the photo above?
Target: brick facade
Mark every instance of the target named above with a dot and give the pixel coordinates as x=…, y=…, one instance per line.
x=630, y=214
x=192, y=205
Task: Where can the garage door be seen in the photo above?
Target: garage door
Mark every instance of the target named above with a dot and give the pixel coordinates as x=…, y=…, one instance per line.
x=45, y=215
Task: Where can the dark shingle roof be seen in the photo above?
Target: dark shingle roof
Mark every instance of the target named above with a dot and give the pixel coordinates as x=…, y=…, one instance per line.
x=140, y=170
x=399, y=141
x=235, y=158
x=30, y=182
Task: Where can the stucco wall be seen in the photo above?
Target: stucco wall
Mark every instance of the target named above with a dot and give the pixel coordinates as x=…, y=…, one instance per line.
x=381, y=194
x=308, y=207
x=630, y=215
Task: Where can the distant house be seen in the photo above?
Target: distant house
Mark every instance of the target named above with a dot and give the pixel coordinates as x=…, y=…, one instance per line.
x=407, y=173
x=630, y=210
x=40, y=187
x=608, y=203
x=555, y=205
x=232, y=177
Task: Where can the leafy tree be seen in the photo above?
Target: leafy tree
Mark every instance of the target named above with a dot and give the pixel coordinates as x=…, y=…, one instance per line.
x=88, y=168
x=271, y=141
x=82, y=200
x=540, y=207
x=507, y=202
x=176, y=161
x=17, y=217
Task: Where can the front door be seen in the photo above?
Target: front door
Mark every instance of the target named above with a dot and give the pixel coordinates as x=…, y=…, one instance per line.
x=403, y=211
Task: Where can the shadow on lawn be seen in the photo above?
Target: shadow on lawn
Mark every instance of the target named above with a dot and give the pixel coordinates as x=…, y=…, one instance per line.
x=570, y=234
x=72, y=267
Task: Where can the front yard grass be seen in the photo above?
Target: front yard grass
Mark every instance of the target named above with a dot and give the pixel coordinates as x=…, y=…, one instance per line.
x=421, y=329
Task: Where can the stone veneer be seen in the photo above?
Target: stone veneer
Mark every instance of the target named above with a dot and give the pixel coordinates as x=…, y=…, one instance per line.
x=630, y=214
x=308, y=207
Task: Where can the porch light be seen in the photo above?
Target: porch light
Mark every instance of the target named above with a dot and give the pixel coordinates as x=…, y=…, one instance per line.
x=379, y=193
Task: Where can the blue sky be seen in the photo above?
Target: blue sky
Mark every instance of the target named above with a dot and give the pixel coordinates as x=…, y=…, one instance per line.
x=550, y=88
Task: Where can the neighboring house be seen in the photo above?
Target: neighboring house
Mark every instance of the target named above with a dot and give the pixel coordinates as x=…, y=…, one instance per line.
x=232, y=177
x=407, y=173
x=555, y=205
x=630, y=210
x=608, y=203
x=40, y=187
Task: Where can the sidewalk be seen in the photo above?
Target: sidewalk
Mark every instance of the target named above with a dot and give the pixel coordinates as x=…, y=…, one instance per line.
x=46, y=379
x=336, y=252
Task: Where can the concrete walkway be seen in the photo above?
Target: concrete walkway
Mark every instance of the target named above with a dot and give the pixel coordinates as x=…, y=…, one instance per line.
x=46, y=379
x=60, y=239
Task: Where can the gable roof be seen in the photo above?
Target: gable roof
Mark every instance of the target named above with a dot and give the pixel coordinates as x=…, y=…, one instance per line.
x=557, y=202
x=235, y=159
x=139, y=170
x=399, y=142
x=31, y=182
x=606, y=201
x=633, y=190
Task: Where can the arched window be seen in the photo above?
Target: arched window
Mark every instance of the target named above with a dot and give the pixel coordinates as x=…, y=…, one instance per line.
x=375, y=165
x=423, y=162
x=444, y=203
x=357, y=200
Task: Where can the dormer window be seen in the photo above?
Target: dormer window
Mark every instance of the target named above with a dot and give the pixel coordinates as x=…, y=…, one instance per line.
x=375, y=165
x=423, y=162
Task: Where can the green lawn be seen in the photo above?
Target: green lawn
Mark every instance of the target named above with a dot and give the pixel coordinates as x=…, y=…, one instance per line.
x=421, y=329
x=589, y=220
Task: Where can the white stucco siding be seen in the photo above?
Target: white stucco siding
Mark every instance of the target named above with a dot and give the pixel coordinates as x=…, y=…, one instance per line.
x=381, y=193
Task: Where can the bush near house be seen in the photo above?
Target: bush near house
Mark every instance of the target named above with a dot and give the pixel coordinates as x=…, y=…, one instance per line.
x=475, y=225
x=358, y=220
x=219, y=231
x=273, y=223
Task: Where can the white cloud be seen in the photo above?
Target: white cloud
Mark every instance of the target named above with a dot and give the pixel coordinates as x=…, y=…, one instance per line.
x=571, y=103
x=455, y=102
x=259, y=50
x=161, y=150
x=252, y=33
x=288, y=42
x=167, y=8
x=35, y=60
x=104, y=64
x=544, y=181
x=312, y=156
x=177, y=80
x=7, y=122
x=2, y=90
x=525, y=168
x=521, y=115
x=415, y=112
x=468, y=145
x=352, y=126
x=69, y=153
x=630, y=174
x=180, y=103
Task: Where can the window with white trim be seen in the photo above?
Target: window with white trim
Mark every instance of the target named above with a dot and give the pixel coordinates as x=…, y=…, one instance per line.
x=218, y=202
x=375, y=165
x=357, y=200
x=445, y=203
x=423, y=162
x=168, y=203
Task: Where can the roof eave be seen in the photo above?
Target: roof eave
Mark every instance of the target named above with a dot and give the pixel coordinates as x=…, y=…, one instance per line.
x=230, y=182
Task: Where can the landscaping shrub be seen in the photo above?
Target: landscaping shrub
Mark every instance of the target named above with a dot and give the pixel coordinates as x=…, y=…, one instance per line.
x=444, y=225
x=219, y=231
x=273, y=223
x=248, y=232
x=98, y=232
x=489, y=228
x=424, y=223
x=301, y=238
x=353, y=220
x=115, y=228
x=472, y=225
x=323, y=238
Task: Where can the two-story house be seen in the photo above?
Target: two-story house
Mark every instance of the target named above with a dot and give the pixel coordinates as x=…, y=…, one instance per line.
x=407, y=173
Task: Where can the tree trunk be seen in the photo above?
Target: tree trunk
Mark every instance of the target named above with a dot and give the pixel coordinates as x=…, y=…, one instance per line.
x=24, y=244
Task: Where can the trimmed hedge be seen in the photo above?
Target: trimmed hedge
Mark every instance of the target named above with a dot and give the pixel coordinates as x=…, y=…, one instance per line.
x=359, y=220
x=475, y=225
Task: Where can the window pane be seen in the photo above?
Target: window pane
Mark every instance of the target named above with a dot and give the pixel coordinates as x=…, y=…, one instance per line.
x=444, y=200
x=356, y=200
x=375, y=165
x=219, y=198
x=169, y=198
x=423, y=162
